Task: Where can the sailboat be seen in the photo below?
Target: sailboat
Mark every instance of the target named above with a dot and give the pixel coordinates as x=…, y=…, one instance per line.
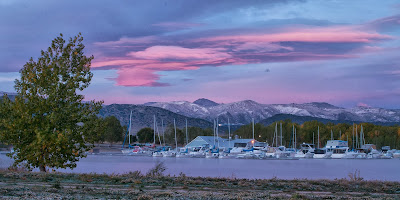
x=131, y=150
x=306, y=149
x=172, y=153
x=184, y=152
x=214, y=151
x=226, y=153
x=321, y=152
x=161, y=149
x=279, y=152
x=249, y=153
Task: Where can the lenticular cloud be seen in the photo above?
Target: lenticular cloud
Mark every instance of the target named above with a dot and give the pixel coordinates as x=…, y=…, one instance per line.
x=144, y=57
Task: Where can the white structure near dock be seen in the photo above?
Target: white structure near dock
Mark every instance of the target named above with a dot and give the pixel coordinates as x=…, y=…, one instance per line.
x=211, y=141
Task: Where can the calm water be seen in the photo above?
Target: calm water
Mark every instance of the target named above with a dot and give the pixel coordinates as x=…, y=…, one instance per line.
x=239, y=168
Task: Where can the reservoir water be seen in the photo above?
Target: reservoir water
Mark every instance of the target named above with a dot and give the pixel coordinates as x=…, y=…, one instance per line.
x=370, y=169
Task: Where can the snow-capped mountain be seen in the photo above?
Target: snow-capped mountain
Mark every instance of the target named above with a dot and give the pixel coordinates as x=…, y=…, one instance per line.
x=242, y=112
x=205, y=102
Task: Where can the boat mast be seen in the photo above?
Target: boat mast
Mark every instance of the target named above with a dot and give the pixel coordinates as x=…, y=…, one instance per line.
x=158, y=133
x=163, y=133
x=214, y=133
x=361, y=136
x=295, y=138
x=253, y=129
x=217, y=132
x=229, y=134
x=130, y=124
x=154, y=129
x=273, y=139
x=313, y=139
x=352, y=139
x=187, y=140
x=176, y=142
x=318, y=137
x=276, y=133
x=281, y=133
x=356, y=137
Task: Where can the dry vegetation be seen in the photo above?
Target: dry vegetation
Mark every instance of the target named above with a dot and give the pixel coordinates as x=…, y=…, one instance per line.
x=154, y=185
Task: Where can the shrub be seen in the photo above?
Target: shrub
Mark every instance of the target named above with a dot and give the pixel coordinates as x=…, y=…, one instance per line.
x=355, y=176
x=157, y=170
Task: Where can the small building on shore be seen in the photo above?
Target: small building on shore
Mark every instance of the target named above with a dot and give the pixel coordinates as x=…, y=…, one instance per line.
x=211, y=141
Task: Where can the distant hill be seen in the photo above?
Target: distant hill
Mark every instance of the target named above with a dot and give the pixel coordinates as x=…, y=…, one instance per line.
x=142, y=116
x=205, y=102
x=302, y=119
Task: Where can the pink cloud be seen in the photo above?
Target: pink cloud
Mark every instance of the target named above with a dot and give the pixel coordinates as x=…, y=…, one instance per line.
x=330, y=34
x=176, y=52
x=139, y=66
x=137, y=77
x=142, y=72
x=118, y=62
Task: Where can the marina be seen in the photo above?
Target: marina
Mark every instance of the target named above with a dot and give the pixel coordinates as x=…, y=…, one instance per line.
x=216, y=147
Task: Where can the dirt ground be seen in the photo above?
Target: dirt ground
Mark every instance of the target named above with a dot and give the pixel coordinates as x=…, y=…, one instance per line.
x=154, y=185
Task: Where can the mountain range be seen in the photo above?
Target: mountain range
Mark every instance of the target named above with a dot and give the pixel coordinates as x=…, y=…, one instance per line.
x=202, y=112
x=243, y=112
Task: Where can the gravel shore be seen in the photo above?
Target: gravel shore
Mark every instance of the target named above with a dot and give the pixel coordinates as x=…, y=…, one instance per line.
x=155, y=185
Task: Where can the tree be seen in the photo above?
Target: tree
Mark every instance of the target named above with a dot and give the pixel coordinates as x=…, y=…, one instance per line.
x=94, y=130
x=146, y=135
x=114, y=132
x=45, y=123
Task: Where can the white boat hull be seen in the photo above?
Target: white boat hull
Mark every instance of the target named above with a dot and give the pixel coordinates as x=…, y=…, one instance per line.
x=322, y=156
x=182, y=155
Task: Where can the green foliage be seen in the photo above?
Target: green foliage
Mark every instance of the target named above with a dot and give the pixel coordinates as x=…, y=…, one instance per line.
x=100, y=130
x=146, y=135
x=95, y=129
x=133, y=138
x=193, y=132
x=114, y=132
x=45, y=123
x=170, y=136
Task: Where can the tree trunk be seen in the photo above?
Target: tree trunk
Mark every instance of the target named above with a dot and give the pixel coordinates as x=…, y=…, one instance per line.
x=42, y=168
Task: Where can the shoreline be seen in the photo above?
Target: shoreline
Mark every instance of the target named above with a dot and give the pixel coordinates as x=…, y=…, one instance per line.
x=155, y=185
x=117, y=163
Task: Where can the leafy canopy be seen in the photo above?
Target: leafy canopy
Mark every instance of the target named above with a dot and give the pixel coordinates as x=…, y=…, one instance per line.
x=113, y=132
x=146, y=135
x=45, y=122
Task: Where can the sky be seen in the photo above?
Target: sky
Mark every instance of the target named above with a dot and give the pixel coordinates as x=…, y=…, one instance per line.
x=296, y=51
